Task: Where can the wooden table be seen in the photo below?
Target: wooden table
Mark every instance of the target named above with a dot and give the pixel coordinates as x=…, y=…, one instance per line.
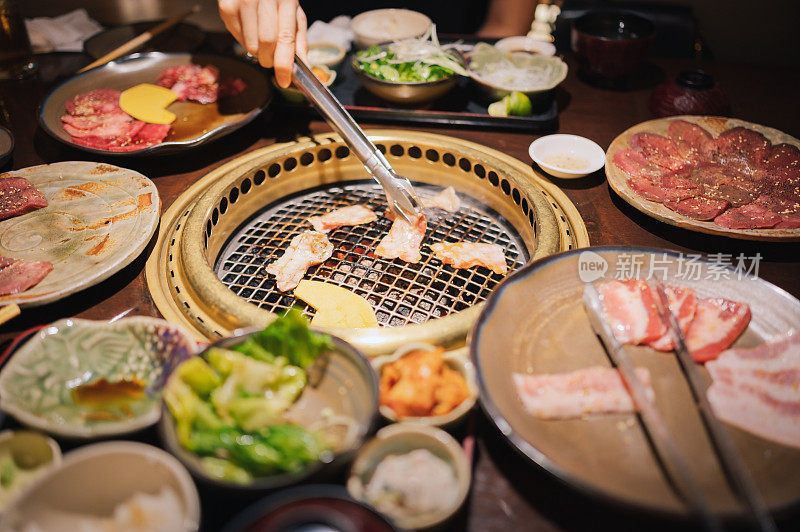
x=507, y=494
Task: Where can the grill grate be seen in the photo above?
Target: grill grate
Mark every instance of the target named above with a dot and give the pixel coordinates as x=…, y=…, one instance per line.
x=400, y=293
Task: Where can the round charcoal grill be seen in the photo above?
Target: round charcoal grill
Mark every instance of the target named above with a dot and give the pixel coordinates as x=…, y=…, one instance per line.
x=400, y=292
x=209, y=268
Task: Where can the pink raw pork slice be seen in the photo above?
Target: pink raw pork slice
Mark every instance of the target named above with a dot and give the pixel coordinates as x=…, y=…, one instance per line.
x=758, y=389
x=595, y=390
x=630, y=309
x=716, y=325
x=192, y=82
x=682, y=304
x=19, y=275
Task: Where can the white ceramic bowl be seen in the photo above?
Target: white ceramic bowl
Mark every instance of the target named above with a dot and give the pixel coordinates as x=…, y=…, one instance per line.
x=521, y=43
x=386, y=25
x=325, y=53
x=402, y=438
x=458, y=360
x=553, y=153
x=95, y=479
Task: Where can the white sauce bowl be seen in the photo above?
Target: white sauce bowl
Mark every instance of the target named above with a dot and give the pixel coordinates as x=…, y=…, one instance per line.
x=552, y=152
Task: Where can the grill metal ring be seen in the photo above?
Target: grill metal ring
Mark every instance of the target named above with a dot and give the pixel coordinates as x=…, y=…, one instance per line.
x=200, y=231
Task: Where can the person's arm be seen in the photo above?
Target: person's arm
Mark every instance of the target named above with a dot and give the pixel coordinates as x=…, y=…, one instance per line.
x=505, y=18
x=271, y=30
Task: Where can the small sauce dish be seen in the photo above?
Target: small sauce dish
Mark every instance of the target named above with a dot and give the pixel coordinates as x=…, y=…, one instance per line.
x=567, y=156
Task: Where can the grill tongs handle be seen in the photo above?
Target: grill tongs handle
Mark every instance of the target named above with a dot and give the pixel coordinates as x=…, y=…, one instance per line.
x=399, y=193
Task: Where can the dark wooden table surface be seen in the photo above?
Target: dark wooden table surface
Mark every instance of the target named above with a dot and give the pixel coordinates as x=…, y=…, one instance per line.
x=507, y=494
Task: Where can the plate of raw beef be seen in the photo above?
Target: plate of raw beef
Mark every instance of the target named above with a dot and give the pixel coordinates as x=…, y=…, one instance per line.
x=548, y=384
x=714, y=175
x=216, y=96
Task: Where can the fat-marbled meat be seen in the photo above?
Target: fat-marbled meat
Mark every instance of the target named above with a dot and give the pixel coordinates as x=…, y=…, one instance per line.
x=594, y=390
x=758, y=389
x=94, y=119
x=192, y=82
x=404, y=239
x=470, y=254
x=18, y=275
x=350, y=215
x=738, y=179
x=307, y=249
x=18, y=196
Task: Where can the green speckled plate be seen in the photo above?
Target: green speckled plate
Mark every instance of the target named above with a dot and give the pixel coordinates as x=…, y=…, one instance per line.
x=37, y=384
x=98, y=219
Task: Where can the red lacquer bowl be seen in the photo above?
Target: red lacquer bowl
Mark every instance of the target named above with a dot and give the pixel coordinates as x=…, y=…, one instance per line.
x=692, y=92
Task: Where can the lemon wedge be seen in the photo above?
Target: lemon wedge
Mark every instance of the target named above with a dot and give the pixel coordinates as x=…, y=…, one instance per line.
x=147, y=102
x=336, y=306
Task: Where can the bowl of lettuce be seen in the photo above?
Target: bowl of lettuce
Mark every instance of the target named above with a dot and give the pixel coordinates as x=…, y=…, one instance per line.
x=265, y=409
x=409, y=71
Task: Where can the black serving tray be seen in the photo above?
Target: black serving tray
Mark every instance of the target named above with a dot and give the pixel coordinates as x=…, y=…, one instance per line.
x=463, y=106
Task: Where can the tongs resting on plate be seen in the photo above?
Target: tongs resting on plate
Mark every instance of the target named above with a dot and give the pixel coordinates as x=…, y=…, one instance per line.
x=399, y=193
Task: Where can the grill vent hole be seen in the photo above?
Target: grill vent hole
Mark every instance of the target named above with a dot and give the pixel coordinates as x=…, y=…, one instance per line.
x=480, y=171
x=432, y=155
x=234, y=195
x=515, y=196
x=342, y=152
x=324, y=154
x=493, y=179
x=506, y=187
x=415, y=152
x=223, y=205
x=530, y=217
x=274, y=170
x=215, y=216
x=290, y=164
x=525, y=206
x=306, y=159
x=449, y=159
x=397, y=150
x=208, y=228
x=246, y=185
x=381, y=148
x=465, y=164
x=259, y=177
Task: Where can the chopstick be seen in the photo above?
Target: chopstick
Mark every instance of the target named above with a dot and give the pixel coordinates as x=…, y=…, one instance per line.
x=140, y=40
x=735, y=469
x=8, y=312
x=653, y=420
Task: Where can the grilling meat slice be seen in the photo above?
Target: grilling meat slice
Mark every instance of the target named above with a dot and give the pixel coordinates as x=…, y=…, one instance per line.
x=352, y=215
x=447, y=200
x=18, y=275
x=469, y=254
x=758, y=389
x=18, y=196
x=691, y=140
x=403, y=240
x=307, y=249
x=659, y=151
x=594, y=390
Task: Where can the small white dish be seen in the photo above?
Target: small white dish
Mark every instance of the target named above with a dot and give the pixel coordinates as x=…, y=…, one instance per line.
x=521, y=43
x=93, y=480
x=567, y=156
x=385, y=25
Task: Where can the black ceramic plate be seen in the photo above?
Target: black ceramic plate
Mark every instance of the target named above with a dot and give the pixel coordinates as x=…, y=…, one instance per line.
x=314, y=507
x=6, y=145
x=196, y=123
x=182, y=37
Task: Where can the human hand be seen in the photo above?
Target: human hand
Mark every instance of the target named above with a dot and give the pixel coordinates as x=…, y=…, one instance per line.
x=271, y=30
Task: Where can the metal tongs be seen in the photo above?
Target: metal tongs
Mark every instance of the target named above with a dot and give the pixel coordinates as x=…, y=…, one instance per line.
x=400, y=194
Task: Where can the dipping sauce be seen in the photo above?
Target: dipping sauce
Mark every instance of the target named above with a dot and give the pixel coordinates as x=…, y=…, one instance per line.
x=414, y=483
x=566, y=161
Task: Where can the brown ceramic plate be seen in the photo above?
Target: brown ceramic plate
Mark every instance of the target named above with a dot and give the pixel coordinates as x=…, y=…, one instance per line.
x=98, y=219
x=535, y=322
x=182, y=37
x=715, y=125
x=196, y=123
